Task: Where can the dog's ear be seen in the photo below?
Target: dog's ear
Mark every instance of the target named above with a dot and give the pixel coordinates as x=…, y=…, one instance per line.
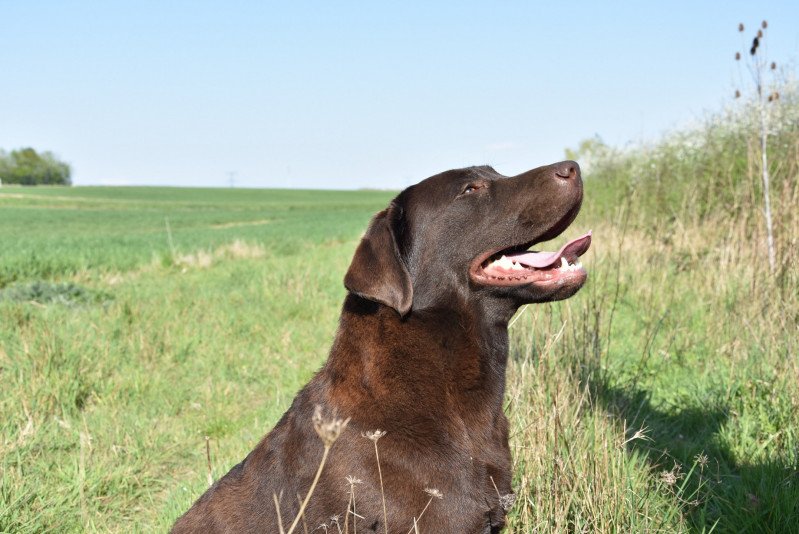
x=377, y=271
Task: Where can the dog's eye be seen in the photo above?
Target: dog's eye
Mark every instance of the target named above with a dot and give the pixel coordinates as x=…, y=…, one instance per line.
x=471, y=188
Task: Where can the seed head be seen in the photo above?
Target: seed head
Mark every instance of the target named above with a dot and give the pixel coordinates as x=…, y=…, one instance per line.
x=668, y=478
x=433, y=492
x=701, y=459
x=507, y=501
x=741, y=27
x=737, y=94
x=374, y=435
x=737, y=56
x=759, y=34
x=773, y=65
x=328, y=429
x=770, y=97
x=764, y=24
x=352, y=480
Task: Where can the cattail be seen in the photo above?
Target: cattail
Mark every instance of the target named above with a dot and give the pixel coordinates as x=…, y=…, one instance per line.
x=741, y=27
x=737, y=56
x=764, y=24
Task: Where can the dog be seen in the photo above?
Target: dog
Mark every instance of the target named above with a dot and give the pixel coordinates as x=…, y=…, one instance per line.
x=420, y=355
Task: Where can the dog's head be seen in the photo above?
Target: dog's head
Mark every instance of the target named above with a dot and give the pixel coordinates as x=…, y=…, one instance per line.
x=467, y=231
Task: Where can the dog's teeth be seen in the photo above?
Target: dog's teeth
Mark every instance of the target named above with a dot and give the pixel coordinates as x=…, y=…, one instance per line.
x=564, y=264
x=504, y=262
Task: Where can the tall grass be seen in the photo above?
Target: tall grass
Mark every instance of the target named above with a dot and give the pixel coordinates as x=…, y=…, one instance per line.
x=665, y=396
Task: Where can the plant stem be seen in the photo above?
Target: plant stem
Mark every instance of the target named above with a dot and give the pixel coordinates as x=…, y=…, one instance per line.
x=310, y=491
x=382, y=493
x=766, y=195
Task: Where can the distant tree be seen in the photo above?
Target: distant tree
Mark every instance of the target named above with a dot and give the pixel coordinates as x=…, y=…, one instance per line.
x=27, y=167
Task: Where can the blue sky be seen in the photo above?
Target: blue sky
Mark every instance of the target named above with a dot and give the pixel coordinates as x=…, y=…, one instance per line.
x=349, y=95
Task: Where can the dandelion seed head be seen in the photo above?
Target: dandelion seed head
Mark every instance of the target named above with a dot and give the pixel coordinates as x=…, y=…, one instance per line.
x=352, y=480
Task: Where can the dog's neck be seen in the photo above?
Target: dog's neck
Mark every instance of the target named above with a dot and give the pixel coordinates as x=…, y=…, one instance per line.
x=401, y=365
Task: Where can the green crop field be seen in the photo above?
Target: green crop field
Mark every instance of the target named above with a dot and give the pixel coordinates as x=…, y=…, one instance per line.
x=664, y=397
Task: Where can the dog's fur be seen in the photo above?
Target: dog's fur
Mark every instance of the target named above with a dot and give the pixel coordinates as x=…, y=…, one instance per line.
x=420, y=352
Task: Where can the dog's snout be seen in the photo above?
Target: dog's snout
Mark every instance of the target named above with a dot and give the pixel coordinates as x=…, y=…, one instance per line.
x=567, y=170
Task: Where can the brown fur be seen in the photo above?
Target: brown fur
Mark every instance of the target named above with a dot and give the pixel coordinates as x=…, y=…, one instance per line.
x=420, y=352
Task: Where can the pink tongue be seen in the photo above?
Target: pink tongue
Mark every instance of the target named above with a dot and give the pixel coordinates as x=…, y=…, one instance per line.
x=571, y=251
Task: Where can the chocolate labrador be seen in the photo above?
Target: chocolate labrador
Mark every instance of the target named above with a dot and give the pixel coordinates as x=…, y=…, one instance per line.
x=420, y=353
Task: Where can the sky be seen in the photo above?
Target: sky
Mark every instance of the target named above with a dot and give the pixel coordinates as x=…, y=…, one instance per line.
x=346, y=95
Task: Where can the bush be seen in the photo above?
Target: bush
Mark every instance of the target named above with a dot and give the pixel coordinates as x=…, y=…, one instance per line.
x=27, y=167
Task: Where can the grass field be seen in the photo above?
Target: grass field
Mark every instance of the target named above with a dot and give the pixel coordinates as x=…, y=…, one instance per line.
x=134, y=322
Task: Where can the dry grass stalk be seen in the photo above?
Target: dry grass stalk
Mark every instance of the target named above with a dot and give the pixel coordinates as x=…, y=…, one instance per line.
x=434, y=494
x=375, y=436
x=328, y=431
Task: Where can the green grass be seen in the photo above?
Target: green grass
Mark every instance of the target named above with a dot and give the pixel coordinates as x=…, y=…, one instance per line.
x=664, y=397
x=103, y=229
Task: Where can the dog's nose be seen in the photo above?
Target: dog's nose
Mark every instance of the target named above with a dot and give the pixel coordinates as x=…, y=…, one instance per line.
x=567, y=170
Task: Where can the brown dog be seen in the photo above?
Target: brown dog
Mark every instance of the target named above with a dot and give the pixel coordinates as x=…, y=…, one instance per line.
x=420, y=353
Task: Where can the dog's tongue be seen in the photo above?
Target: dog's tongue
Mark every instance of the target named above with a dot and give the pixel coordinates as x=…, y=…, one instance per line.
x=539, y=260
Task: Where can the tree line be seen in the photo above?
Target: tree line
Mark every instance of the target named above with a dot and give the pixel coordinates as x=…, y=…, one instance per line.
x=25, y=166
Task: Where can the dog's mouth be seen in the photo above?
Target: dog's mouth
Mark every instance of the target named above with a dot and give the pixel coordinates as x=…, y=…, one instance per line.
x=515, y=266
